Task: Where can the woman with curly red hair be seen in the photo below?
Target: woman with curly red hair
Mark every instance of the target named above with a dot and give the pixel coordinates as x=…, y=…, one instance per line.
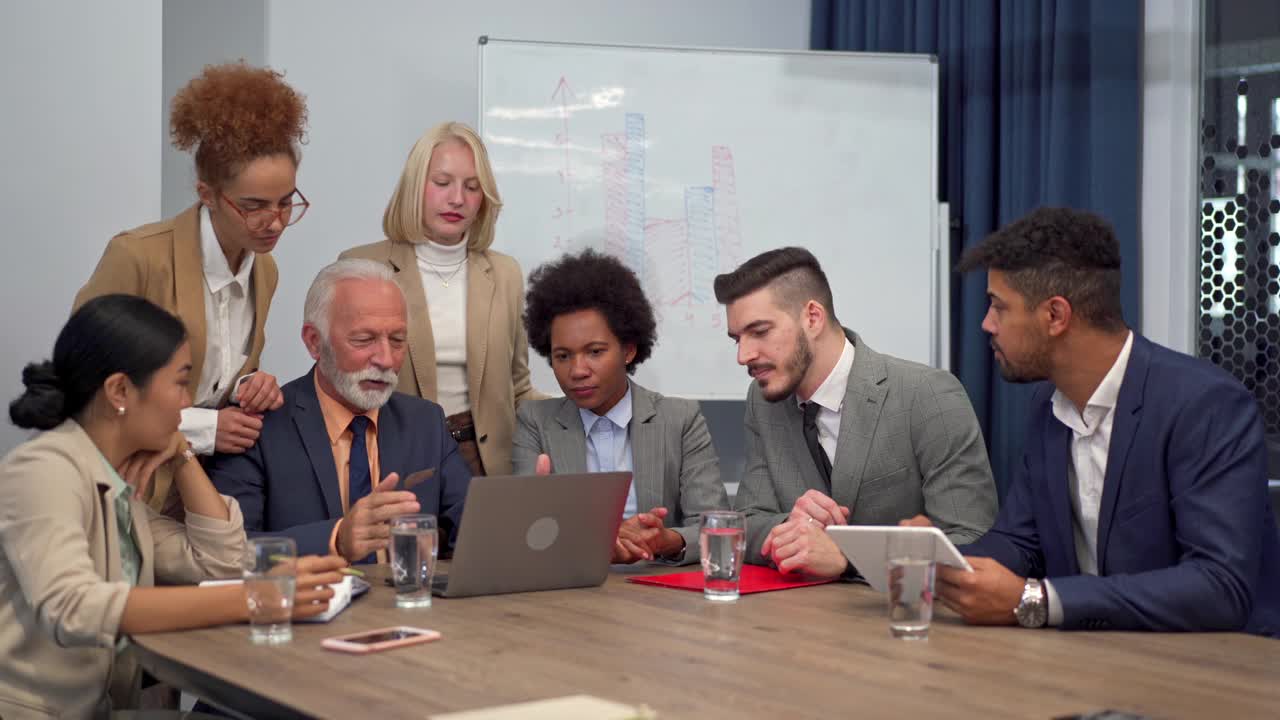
x=211, y=265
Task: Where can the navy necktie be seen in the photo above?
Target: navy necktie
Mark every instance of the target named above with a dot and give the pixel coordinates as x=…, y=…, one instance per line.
x=358, y=481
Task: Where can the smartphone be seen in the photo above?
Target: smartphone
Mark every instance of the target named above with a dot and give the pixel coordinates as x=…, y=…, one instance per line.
x=381, y=639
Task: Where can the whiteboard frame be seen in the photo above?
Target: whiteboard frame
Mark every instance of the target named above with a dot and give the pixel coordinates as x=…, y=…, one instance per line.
x=939, y=273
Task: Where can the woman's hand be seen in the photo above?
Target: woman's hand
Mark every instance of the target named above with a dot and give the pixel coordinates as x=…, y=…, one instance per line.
x=259, y=394
x=312, y=592
x=139, y=469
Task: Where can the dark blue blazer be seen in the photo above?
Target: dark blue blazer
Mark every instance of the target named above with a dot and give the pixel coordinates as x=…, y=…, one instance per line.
x=287, y=483
x=1186, y=535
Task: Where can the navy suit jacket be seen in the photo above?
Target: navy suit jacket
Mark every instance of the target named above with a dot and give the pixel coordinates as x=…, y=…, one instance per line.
x=287, y=483
x=1186, y=535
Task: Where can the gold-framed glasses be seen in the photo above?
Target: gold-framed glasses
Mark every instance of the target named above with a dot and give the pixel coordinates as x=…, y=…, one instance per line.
x=261, y=218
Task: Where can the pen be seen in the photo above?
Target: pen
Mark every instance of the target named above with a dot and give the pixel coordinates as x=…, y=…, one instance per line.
x=344, y=571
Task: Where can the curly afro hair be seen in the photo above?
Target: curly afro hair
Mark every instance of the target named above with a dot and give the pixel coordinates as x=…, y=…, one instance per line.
x=590, y=281
x=234, y=113
x=1057, y=251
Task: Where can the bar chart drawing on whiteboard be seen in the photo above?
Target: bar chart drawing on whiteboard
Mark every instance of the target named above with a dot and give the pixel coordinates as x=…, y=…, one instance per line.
x=676, y=258
x=684, y=163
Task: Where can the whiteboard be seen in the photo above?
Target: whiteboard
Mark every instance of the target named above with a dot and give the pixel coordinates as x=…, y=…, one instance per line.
x=686, y=162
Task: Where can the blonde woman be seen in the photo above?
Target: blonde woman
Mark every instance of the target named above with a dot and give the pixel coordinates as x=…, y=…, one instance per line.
x=467, y=345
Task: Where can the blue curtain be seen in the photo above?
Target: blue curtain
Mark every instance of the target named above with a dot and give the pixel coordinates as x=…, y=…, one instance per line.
x=1040, y=106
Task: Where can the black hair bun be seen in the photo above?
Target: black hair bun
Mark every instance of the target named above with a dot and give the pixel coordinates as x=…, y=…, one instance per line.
x=43, y=405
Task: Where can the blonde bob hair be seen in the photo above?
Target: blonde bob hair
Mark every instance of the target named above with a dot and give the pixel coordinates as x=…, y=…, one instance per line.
x=402, y=221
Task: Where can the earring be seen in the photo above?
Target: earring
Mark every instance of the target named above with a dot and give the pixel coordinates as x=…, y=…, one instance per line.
x=120, y=410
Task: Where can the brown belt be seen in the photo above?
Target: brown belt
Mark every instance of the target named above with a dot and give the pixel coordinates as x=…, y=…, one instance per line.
x=461, y=426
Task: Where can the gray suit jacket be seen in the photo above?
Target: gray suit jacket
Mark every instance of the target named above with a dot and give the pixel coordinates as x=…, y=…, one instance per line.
x=675, y=464
x=909, y=444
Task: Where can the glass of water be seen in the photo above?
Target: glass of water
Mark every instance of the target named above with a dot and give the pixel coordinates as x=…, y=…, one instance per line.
x=910, y=563
x=413, y=559
x=723, y=542
x=270, y=575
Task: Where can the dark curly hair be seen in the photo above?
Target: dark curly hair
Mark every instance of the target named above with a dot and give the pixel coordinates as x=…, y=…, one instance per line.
x=1057, y=251
x=234, y=113
x=590, y=281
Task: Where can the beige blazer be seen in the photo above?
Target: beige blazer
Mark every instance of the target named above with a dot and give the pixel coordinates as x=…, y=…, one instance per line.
x=162, y=262
x=497, y=347
x=62, y=590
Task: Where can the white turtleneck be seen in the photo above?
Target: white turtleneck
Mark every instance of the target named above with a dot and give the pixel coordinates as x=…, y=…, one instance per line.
x=444, y=281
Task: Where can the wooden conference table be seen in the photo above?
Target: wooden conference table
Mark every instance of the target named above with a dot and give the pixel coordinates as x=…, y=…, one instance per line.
x=809, y=652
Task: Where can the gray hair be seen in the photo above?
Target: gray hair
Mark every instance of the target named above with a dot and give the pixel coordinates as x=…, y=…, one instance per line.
x=320, y=296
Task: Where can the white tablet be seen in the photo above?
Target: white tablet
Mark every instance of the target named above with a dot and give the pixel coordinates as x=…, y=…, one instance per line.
x=864, y=545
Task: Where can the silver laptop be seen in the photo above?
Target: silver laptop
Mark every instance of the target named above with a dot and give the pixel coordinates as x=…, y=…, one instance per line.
x=535, y=532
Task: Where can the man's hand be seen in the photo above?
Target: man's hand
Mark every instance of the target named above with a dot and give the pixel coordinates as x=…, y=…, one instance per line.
x=823, y=510
x=260, y=393
x=917, y=521
x=366, y=527
x=802, y=546
x=315, y=574
x=237, y=430
x=644, y=537
x=986, y=596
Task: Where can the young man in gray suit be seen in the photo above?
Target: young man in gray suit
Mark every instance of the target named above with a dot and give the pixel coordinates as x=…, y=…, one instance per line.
x=837, y=433
x=588, y=315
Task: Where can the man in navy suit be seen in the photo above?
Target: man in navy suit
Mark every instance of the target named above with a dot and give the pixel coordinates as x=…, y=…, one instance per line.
x=313, y=473
x=1142, y=501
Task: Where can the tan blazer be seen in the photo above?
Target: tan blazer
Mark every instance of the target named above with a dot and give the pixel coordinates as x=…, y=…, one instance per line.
x=497, y=347
x=162, y=262
x=62, y=590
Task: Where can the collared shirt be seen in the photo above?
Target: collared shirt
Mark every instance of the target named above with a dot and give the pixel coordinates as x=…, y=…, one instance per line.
x=1090, y=443
x=609, y=443
x=830, y=399
x=337, y=424
x=130, y=556
x=228, y=316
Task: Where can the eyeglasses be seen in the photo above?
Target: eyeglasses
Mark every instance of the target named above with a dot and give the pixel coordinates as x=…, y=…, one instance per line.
x=259, y=219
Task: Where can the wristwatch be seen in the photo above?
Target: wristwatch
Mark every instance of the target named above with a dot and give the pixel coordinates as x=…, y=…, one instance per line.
x=1033, y=608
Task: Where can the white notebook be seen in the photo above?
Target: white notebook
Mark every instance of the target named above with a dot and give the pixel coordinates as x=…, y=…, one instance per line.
x=343, y=592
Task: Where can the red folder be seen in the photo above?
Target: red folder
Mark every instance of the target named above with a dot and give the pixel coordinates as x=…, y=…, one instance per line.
x=755, y=578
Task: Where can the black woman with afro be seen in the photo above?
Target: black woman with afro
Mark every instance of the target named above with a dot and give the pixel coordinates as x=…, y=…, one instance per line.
x=588, y=316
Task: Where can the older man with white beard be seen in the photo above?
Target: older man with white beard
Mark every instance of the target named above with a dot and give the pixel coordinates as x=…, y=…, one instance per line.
x=314, y=473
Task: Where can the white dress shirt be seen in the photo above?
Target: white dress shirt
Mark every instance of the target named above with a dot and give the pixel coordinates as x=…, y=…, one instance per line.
x=609, y=443
x=444, y=282
x=830, y=399
x=228, y=317
x=1090, y=443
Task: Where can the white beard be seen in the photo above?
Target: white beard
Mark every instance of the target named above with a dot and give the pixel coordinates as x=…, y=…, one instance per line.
x=348, y=383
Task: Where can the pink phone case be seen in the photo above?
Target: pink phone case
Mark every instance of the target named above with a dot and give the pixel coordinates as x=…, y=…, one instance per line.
x=350, y=644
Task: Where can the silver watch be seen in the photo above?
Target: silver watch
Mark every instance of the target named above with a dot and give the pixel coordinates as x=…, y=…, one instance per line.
x=1033, y=608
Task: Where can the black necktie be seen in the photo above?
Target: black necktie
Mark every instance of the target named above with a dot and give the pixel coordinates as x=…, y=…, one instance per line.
x=358, y=483
x=811, y=439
